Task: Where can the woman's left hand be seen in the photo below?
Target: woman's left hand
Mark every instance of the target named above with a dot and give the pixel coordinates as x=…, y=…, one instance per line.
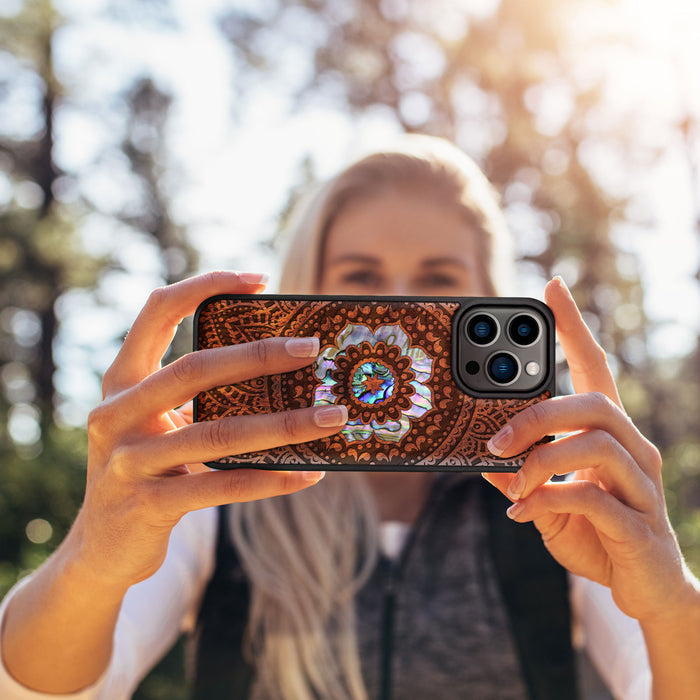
x=609, y=523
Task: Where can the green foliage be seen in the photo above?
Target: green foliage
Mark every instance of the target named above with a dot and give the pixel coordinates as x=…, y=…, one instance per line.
x=484, y=78
x=42, y=461
x=43, y=481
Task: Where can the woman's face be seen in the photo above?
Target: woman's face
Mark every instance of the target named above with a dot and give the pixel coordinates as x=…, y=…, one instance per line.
x=400, y=243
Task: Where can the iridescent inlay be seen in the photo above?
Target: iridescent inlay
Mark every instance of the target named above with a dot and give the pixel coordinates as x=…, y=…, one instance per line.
x=387, y=400
x=372, y=382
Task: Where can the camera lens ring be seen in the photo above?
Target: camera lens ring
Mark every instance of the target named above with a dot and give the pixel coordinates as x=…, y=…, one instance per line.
x=482, y=329
x=503, y=368
x=524, y=330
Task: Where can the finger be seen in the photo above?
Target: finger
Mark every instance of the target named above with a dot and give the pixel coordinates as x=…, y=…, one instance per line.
x=186, y=412
x=214, y=488
x=587, y=361
x=585, y=557
x=153, y=330
x=501, y=480
x=213, y=440
x=608, y=515
x=184, y=378
x=594, y=449
x=567, y=414
x=182, y=416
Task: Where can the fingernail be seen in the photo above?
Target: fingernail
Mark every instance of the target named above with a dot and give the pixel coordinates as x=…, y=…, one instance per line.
x=253, y=277
x=515, y=510
x=560, y=281
x=500, y=442
x=313, y=477
x=516, y=486
x=302, y=347
x=331, y=417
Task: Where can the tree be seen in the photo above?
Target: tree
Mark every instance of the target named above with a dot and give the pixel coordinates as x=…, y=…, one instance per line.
x=41, y=259
x=514, y=84
x=511, y=82
x=43, y=218
x=505, y=84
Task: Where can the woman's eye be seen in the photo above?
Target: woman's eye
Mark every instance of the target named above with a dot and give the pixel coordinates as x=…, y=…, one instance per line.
x=438, y=280
x=362, y=278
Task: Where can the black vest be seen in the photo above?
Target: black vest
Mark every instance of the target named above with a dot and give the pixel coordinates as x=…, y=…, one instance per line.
x=533, y=587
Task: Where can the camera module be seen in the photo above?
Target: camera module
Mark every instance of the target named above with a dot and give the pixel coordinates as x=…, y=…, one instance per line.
x=503, y=368
x=482, y=329
x=524, y=330
x=503, y=348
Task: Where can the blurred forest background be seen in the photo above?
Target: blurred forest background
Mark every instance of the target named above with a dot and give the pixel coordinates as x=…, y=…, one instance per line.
x=582, y=113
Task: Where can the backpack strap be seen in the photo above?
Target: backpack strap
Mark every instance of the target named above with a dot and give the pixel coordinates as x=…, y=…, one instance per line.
x=220, y=669
x=535, y=592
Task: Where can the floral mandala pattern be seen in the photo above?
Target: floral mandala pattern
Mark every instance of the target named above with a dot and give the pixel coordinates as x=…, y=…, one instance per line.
x=367, y=357
x=379, y=377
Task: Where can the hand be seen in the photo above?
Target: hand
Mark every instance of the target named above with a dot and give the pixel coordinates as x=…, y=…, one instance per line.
x=145, y=458
x=609, y=523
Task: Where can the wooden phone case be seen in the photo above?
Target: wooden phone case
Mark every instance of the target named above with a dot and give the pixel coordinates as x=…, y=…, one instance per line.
x=389, y=360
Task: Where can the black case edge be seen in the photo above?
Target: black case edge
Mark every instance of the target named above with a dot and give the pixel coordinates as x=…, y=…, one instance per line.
x=548, y=385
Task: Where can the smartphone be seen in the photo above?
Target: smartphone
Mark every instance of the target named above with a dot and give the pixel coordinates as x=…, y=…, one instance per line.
x=427, y=381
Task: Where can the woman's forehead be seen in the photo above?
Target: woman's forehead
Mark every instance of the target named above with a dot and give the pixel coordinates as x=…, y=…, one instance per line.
x=396, y=224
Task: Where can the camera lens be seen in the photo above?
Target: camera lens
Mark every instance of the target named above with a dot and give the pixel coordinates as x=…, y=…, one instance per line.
x=482, y=329
x=524, y=330
x=503, y=368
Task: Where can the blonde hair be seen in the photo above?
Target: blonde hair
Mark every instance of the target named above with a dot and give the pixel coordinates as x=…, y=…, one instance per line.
x=433, y=167
x=307, y=554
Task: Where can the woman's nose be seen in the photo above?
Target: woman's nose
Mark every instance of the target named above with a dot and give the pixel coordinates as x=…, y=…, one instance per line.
x=399, y=287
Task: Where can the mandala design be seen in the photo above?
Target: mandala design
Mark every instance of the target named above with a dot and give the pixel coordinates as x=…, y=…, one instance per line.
x=372, y=383
x=379, y=377
x=390, y=364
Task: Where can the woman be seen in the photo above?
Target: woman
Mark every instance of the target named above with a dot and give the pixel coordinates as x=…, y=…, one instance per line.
x=418, y=221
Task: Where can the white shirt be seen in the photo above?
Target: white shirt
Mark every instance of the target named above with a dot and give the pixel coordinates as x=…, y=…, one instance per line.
x=156, y=611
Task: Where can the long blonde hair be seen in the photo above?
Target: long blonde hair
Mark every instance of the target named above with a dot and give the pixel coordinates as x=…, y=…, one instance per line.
x=307, y=554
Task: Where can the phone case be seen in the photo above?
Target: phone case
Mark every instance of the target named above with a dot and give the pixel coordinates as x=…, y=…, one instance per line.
x=389, y=360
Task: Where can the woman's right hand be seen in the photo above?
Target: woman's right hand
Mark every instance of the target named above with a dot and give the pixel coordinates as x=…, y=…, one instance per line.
x=145, y=459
